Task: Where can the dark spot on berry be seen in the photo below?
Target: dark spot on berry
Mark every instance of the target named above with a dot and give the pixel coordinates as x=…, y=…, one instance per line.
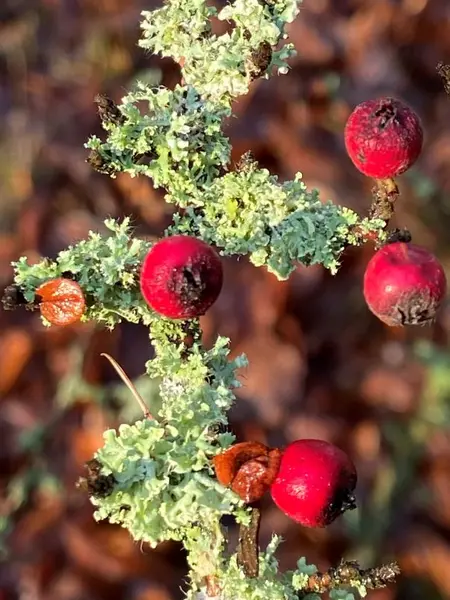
x=342, y=501
x=386, y=114
x=420, y=312
x=187, y=284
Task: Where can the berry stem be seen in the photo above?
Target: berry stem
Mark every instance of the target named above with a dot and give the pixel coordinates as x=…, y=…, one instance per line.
x=384, y=195
x=248, y=551
x=124, y=377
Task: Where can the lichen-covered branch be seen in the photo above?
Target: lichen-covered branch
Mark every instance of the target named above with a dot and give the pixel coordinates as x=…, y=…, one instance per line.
x=155, y=477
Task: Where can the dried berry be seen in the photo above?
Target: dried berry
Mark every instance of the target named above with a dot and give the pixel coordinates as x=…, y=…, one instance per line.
x=61, y=301
x=255, y=477
x=248, y=468
x=404, y=284
x=383, y=137
x=228, y=462
x=181, y=277
x=315, y=482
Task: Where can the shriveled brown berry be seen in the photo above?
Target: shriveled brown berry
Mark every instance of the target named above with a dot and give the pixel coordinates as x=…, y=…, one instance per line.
x=61, y=301
x=249, y=468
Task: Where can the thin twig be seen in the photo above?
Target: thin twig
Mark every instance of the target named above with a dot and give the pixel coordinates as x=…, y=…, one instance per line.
x=124, y=377
x=248, y=551
x=349, y=573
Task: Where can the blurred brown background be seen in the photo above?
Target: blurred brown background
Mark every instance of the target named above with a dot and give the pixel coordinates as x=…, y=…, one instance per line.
x=320, y=364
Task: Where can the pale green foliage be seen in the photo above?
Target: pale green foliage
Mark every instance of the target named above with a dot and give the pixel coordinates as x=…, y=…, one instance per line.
x=178, y=143
x=218, y=67
x=271, y=583
x=250, y=212
x=162, y=466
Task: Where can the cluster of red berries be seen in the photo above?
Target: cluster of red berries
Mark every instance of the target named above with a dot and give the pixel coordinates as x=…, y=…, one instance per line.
x=312, y=481
x=404, y=284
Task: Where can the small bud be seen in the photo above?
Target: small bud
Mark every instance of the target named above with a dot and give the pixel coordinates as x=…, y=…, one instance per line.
x=108, y=110
x=13, y=297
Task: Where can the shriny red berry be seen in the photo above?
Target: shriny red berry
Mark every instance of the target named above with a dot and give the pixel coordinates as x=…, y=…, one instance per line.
x=404, y=284
x=181, y=277
x=383, y=137
x=61, y=301
x=315, y=482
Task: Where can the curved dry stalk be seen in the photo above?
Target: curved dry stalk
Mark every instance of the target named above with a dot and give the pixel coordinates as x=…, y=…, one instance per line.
x=124, y=377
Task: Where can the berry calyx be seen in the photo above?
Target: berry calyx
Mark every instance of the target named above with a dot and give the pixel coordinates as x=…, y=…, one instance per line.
x=61, y=301
x=181, y=277
x=383, y=137
x=315, y=482
x=404, y=284
x=248, y=468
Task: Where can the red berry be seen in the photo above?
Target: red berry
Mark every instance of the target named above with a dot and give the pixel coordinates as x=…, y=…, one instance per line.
x=404, y=284
x=383, y=137
x=315, y=483
x=61, y=301
x=181, y=277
